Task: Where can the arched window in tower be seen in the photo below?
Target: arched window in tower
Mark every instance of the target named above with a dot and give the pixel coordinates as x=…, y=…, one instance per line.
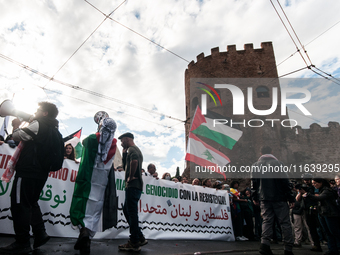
x=194, y=103
x=262, y=91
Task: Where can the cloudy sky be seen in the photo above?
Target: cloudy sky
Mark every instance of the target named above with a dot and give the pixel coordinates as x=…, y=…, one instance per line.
x=103, y=65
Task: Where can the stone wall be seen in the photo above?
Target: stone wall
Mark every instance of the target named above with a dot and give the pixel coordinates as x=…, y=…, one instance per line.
x=317, y=144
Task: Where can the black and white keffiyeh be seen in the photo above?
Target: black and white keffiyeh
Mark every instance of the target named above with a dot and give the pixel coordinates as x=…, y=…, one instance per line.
x=107, y=132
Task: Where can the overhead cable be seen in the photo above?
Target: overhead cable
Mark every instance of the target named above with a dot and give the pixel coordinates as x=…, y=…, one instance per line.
x=86, y=90
x=85, y=40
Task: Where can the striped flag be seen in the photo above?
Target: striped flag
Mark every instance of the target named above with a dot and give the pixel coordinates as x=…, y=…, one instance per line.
x=204, y=155
x=74, y=140
x=219, y=132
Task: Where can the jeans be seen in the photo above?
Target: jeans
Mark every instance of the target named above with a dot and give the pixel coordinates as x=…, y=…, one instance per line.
x=25, y=208
x=330, y=225
x=130, y=209
x=269, y=210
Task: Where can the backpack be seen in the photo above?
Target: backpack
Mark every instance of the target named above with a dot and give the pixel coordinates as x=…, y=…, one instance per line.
x=55, y=157
x=53, y=149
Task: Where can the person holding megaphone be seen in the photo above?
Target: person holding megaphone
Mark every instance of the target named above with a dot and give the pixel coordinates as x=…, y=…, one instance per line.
x=32, y=165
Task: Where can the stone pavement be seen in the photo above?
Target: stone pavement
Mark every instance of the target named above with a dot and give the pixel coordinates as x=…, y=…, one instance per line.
x=159, y=247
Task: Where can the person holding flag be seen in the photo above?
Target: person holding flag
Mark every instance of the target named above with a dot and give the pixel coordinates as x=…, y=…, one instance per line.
x=93, y=189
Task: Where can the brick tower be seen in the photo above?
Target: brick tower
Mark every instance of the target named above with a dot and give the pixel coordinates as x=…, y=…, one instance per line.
x=247, y=63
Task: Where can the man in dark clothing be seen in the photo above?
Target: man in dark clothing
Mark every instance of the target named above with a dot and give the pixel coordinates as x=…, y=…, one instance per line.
x=132, y=163
x=30, y=179
x=272, y=191
x=310, y=211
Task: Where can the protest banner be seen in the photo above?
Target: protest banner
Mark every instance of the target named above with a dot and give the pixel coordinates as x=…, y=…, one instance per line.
x=167, y=210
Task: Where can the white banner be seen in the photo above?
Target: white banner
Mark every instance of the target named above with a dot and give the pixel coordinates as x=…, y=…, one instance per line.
x=167, y=210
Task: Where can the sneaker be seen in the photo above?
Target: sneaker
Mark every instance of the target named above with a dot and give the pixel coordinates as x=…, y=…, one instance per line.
x=16, y=248
x=244, y=238
x=129, y=246
x=239, y=238
x=40, y=240
x=265, y=249
x=142, y=241
x=316, y=248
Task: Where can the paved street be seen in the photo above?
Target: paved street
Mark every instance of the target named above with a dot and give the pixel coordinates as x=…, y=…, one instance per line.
x=159, y=247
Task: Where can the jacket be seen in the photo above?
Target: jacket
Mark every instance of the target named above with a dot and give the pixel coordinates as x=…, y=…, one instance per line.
x=326, y=202
x=270, y=189
x=34, y=151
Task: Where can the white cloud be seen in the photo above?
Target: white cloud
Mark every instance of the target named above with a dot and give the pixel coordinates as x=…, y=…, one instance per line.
x=120, y=64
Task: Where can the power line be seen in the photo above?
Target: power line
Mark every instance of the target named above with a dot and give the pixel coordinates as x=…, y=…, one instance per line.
x=298, y=70
x=140, y=34
x=330, y=75
x=82, y=100
x=336, y=81
x=323, y=32
x=297, y=48
x=307, y=44
x=311, y=66
x=189, y=61
x=86, y=90
x=294, y=32
x=97, y=94
x=85, y=40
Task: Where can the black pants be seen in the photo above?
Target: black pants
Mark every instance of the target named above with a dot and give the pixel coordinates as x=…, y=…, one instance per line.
x=248, y=228
x=313, y=222
x=25, y=208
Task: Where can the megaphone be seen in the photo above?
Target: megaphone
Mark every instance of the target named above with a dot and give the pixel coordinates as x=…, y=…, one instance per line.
x=7, y=109
x=99, y=116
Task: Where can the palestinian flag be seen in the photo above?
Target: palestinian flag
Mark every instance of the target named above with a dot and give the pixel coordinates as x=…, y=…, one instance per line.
x=74, y=139
x=203, y=154
x=90, y=185
x=221, y=133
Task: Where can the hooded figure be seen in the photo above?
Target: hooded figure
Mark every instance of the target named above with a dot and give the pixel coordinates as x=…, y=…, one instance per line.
x=94, y=177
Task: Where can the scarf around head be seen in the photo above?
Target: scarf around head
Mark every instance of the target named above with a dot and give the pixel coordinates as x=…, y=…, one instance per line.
x=267, y=156
x=107, y=132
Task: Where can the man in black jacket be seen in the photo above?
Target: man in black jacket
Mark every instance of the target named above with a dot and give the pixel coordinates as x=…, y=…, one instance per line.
x=310, y=212
x=30, y=179
x=273, y=191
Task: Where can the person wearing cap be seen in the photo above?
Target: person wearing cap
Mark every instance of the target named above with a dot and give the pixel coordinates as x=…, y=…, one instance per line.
x=132, y=164
x=94, y=189
x=310, y=211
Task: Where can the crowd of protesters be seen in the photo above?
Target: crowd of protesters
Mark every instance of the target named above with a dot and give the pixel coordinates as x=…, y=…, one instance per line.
x=315, y=216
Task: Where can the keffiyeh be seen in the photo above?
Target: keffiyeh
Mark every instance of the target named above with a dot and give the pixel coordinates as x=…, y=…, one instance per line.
x=107, y=132
x=267, y=156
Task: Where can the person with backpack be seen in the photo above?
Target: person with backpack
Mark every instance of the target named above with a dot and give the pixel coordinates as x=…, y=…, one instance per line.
x=40, y=142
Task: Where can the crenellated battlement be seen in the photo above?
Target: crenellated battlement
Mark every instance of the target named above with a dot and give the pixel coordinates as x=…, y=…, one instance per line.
x=316, y=129
x=313, y=145
x=266, y=47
